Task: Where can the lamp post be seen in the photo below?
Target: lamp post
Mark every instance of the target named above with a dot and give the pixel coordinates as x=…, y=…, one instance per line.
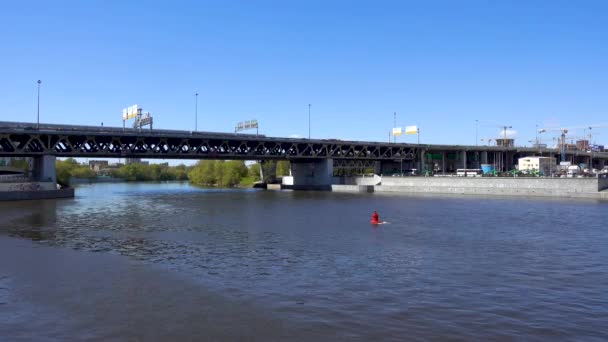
x=309, y=121
x=476, y=130
x=590, y=151
x=504, y=145
x=196, y=111
x=38, y=112
x=539, y=131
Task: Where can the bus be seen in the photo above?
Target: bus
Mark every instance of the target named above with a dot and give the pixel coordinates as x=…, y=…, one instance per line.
x=469, y=172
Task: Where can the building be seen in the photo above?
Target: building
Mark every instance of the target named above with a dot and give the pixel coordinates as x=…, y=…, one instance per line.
x=136, y=161
x=582, y=145
x=505, y=142
x=98, y=165
x=544, y=165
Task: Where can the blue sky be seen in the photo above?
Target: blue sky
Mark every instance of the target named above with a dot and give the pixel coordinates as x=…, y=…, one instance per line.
x=439, y=64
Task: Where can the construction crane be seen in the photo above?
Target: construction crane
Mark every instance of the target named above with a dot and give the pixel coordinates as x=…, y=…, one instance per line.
x=501, y=158
x=564, y=131
x=504, y=129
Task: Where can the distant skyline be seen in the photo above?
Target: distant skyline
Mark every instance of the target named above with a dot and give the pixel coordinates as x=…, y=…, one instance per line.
x=440, y=65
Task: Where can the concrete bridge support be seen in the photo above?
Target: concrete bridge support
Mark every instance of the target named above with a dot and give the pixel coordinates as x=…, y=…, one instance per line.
x=484, y=157
x=464, y=159
x=422, y=161
x=44, y=169
x=312, y=175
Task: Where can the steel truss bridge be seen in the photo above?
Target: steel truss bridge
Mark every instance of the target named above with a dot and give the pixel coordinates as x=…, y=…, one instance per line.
x=26, y=139
x=18, y=139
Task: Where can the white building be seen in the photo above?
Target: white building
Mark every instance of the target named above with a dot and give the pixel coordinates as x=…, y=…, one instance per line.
x=544, y=165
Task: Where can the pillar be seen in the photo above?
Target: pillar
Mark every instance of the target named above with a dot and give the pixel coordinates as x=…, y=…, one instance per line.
x=377, y=167
x=443, y=163
x=312, y=175
x=421, y=164
x=44, y=169
x=484, y=157
x=464, y=159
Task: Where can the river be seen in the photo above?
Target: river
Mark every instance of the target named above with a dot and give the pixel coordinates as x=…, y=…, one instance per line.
x=175, y=262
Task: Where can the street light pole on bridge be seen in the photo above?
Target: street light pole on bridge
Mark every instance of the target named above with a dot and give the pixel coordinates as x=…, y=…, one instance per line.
x=196, y=111
x=38, y=112
x=309, y=121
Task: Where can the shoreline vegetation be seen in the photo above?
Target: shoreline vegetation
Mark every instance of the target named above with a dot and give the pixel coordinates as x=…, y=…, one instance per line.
x=208, y=173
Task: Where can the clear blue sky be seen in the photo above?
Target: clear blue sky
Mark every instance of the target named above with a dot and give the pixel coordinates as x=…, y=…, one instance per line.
x=438, y=64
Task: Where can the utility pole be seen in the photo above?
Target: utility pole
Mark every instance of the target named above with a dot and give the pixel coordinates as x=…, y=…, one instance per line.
x=196, y=111
x=38, y=113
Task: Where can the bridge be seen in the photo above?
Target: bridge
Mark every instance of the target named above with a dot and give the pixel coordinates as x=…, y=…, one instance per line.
x=313, y=160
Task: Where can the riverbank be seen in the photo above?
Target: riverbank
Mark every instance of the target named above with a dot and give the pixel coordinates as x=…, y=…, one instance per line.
x=589, y=188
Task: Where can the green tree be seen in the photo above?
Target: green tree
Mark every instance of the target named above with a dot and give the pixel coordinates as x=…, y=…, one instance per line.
x=203, y=173
x=283, y=167
x=254, y=171
x=65, y=169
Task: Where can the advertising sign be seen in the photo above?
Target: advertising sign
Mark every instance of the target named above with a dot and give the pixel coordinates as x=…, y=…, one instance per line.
x=411, y=129
x=397, y=131
x=130, y=112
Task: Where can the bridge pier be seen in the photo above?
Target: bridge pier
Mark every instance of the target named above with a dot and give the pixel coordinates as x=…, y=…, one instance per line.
x=44, y=169
x=312, y=175
x=484, y=157
x=464, y=159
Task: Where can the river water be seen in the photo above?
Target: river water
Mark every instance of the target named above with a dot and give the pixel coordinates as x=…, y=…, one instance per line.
x=176, y=262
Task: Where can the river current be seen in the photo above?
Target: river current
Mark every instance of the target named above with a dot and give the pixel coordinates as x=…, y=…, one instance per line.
x=172, y=261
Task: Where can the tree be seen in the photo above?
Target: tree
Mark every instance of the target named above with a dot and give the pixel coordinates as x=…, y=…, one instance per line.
x=254, y=171
x=283, y=167
x=203, y=173
x=66, y=169
x=218, y=172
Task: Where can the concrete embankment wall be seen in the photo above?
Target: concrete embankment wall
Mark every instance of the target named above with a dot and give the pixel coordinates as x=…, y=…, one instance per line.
x=36, y=194
x=549, y=187
x=352, y=188
x=27, y=186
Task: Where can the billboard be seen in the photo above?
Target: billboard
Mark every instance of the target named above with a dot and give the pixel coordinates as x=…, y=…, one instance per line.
x=243, y=125
x=411, y=129
x=130, y=112
x=397, y=131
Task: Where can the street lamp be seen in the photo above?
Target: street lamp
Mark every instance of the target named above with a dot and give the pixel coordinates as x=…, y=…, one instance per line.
x=196, y=111
x=38, y=115
x=476, y=129
x=309, y=121
x=540, y=148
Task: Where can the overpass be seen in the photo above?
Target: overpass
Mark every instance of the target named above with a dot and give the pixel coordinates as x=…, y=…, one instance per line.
x=313, y=160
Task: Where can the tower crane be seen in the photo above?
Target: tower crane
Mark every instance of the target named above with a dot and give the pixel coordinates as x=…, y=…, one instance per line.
x=564, y=131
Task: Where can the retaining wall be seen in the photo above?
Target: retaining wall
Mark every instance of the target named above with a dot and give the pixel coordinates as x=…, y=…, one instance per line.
x=551, y=187
x=352, y=188
x=27, y=186
x=36, y=194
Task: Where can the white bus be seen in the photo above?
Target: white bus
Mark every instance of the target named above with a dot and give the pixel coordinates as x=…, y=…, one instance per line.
x=469, y=172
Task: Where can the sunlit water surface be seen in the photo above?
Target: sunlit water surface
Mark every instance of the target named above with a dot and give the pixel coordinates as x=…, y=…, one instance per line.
x=444, y=267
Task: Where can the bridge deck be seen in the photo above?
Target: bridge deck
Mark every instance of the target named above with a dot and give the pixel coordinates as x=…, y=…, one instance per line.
x=26, y=139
